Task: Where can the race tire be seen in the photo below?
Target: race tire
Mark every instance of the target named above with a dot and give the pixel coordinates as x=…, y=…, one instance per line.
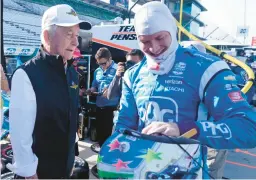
x=6, y=153
x=9, y=175
x=94, y=171
x=81, y=169
x=93, y=134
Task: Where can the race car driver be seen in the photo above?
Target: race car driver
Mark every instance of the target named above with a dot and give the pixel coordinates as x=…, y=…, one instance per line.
x=163, y=93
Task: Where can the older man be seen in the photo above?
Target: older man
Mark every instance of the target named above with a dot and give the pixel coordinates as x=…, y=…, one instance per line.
x=162, y=94
x=41, y=125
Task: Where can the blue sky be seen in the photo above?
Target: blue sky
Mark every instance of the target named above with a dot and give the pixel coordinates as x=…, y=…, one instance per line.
x=228, y=14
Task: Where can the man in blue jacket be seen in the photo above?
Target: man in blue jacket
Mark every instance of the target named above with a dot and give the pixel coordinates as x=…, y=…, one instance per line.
x=163, y=93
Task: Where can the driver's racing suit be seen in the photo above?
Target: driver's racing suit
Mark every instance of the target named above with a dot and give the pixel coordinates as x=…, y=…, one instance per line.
x=196, y=82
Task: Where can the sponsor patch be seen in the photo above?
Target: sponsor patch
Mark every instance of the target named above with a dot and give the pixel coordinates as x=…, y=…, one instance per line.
x=235, y=96
x=230, y=78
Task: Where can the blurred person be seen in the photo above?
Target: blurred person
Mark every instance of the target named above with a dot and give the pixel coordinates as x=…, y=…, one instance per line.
x=162, y=93
x=103, y=76
x=4, y=81
x=133, y=57
x=41, y=102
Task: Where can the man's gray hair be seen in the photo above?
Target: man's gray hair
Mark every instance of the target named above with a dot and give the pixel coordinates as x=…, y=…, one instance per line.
x=51, y=29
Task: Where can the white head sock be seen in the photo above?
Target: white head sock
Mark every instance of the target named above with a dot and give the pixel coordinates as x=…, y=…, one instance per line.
x=151, y=18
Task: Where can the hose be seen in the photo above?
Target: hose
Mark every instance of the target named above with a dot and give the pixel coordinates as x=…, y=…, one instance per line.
x=248, y=70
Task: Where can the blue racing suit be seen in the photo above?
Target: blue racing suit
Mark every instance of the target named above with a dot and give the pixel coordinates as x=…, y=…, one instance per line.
x=196, y=82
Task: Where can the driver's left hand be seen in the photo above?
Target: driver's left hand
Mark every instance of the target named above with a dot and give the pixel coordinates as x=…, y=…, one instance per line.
x=164, y=128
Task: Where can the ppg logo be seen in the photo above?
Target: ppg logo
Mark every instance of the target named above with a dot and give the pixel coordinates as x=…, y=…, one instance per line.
x=158, y=108
x=216, y=129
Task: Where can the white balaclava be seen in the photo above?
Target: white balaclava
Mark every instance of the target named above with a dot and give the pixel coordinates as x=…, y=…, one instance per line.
x=151, y=18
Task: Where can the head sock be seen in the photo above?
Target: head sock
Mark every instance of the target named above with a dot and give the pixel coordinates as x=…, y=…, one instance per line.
x=151, y=18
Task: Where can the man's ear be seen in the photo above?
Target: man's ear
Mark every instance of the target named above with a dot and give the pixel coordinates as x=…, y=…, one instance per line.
x=46, y=37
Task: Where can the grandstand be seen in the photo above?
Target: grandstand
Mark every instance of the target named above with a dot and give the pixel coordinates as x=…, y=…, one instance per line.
x=21, y=29
x=22, y=18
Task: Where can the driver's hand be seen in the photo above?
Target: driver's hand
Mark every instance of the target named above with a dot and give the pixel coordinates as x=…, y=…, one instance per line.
x=120, y=69
x=168, y=129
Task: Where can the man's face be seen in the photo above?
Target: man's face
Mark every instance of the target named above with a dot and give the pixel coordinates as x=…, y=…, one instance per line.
x=155, y=44
x=104, y=63
x=134, y=59
x=64, y=41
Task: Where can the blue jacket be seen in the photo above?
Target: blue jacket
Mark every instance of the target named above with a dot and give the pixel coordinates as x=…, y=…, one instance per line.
x=196, y=82
x=102, y=80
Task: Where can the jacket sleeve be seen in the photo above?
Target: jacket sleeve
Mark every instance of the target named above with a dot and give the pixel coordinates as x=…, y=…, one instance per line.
x=234, y=124
x=114, y=89
x=22, y=121
x=128, y=114
x=95, y=82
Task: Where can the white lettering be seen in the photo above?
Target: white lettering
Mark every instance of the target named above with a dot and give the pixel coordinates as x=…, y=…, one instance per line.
x=176, y=89
x=172, y=81
x=222, y=128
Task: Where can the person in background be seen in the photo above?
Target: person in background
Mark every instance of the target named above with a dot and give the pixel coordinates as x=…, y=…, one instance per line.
x=103, y=76
x=133, y=57
x=4, y=81
x=41, y=103
x=82, y=80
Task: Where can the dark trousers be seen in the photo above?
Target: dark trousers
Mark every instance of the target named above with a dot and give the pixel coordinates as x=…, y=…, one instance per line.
x=104, y=123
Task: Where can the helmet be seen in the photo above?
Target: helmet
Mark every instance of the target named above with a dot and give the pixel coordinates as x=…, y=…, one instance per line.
x=129, y=154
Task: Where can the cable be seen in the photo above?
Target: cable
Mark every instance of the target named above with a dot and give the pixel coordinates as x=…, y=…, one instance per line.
x=175, y=142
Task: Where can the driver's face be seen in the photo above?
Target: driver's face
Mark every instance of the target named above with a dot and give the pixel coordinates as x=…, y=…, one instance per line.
x=155, y=44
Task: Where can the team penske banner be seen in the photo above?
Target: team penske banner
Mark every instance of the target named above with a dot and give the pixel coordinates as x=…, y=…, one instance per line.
x=18, y=51
x=117, y=36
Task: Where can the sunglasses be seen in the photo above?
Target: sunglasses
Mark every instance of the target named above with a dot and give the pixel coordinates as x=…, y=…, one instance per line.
x=102, y=64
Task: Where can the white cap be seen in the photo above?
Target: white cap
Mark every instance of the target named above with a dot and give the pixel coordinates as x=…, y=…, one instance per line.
x=63, y=15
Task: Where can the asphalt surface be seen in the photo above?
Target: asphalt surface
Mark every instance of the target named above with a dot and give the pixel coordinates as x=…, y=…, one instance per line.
x=241, y=164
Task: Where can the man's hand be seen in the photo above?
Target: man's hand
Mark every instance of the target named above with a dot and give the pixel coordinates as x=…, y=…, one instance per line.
x=32, y=177
x=120, y=69
x=88, y=92
x=168, y=129
x=105, y=92
x=81, y=91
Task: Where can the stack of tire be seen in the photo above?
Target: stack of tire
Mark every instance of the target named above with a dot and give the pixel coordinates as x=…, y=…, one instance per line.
x=6, y=157
x=81, y=168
